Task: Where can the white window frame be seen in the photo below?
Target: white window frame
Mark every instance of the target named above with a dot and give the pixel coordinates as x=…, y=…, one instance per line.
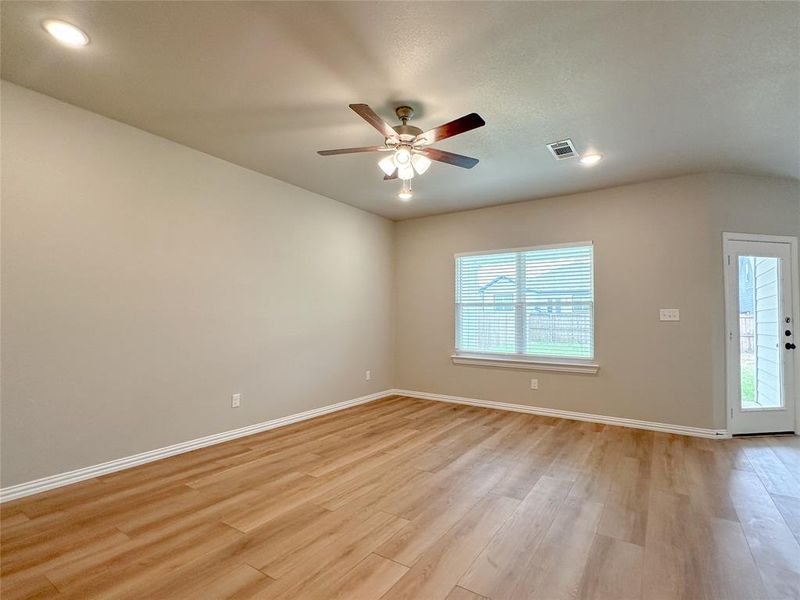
x=523, y=361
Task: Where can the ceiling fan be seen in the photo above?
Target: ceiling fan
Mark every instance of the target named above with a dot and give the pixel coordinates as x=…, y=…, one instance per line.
x=410, y=146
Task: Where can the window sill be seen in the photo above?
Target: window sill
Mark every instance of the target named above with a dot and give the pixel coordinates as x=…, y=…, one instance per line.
x=531, y=364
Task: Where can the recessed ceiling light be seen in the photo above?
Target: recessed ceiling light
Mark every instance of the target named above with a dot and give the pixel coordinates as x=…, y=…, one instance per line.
x=590, y=160
x=66, y=33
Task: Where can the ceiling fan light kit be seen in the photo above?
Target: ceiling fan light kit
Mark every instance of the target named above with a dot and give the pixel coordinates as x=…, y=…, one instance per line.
x=421, y=163
x=409, y=145
x=388, y=165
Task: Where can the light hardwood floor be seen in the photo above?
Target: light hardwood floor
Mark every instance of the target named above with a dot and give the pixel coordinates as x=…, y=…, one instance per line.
x=405, y=498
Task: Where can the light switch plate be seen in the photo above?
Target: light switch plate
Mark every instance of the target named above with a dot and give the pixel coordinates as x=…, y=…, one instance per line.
x=670, y=314
x=236, y=400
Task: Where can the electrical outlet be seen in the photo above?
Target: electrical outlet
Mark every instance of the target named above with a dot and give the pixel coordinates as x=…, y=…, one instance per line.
x=534, y=384
x=670, y=314
x=236, y=400
x=367, y=375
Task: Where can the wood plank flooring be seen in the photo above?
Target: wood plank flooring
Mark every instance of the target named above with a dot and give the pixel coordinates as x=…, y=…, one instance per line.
x=420, y=500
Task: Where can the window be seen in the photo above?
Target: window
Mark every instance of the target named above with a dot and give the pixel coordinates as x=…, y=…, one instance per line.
x=527, y=304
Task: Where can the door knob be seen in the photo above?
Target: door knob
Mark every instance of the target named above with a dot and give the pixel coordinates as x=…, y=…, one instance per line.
x=790, y=346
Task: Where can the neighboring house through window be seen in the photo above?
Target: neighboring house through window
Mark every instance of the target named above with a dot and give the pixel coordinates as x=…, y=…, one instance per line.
x=531, y=302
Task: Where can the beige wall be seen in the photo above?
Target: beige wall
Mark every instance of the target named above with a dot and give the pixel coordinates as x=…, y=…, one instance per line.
x=657, y=245
x=143, y=283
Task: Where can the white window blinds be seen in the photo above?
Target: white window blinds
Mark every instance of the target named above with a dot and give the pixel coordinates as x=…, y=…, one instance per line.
x=535, y=302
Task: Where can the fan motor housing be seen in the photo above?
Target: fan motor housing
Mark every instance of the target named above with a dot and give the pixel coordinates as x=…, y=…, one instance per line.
x=403, y=130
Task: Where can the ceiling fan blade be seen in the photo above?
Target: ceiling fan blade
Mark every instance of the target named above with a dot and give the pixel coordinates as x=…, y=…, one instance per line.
x=371, y=117
x=352, y=150
x=459, y=160
x=461, y=125
x=390, y=177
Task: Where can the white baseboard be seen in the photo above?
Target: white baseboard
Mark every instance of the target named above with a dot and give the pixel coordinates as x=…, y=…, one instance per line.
x=568, y=414
x=61, y=479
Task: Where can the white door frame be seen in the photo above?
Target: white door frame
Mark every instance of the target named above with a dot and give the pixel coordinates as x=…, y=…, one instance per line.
x=731, y=366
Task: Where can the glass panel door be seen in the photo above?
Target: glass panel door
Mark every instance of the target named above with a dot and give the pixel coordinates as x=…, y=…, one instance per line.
x=761, y=336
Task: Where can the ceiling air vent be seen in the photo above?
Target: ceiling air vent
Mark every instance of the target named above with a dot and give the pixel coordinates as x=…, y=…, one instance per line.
x=563, y=149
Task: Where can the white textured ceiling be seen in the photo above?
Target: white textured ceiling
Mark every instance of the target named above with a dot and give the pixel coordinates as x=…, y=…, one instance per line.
x=660, y=88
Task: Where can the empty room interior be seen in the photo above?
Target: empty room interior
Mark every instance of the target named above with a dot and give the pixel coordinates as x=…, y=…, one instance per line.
x=400, y=300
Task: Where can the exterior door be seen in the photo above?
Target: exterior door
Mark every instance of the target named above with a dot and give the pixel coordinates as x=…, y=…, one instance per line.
x=760, y=281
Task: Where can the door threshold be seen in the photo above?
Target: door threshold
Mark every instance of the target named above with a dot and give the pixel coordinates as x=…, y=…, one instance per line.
x=765, y=434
